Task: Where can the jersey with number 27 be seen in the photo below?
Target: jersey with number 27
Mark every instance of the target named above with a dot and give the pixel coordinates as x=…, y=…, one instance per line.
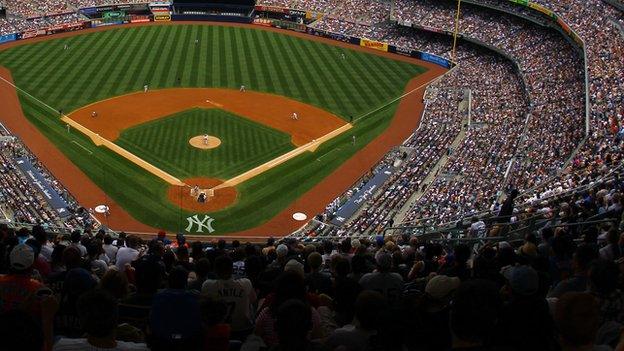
x=238, y=295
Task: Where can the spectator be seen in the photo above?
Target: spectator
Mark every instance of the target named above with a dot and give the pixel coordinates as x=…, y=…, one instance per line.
x=389, y=284
x=97, y=312
x=237, y=294
x=369, y=307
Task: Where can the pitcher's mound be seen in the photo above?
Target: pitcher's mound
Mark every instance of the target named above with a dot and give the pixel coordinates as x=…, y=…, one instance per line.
x=203, y=142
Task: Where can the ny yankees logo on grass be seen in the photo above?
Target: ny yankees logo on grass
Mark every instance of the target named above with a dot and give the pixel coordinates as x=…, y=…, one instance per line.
x=202, y=224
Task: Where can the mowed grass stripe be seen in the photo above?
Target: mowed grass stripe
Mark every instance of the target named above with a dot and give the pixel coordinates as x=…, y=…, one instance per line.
x=282, y=59
x=180, y=51
x=189, y=78
x=116, y=87
x=268, y=70
x=312, y=78
x=106, y=67
x=51, y=64
x=75, y=81
x=204, y=57
x=164, y=75
x=299, y=76
x=319, y=81
x=78, y=71
x=283, y=85
x=148, y=60
x=257, y=80
x=345, y=71
x=243, y=57
x=130, y=80
x=216, y=65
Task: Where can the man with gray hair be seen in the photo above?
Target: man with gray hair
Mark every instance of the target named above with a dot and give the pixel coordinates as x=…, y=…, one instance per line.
x=389, y=284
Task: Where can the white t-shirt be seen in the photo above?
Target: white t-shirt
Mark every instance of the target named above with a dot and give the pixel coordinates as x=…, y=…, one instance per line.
x=65, y=344
x=238, y=295
x=125, y=255
x=46, y=252
x=111, y=251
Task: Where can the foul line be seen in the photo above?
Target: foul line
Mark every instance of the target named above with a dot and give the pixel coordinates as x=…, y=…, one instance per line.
x=311, y=146
x=98, y=140
x=399, y=98
x=29, y=95
x=82, y=147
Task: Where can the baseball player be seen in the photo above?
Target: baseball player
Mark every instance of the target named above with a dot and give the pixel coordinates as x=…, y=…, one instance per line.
x=145, y=88
x=206, y=139
x=65, y=47
x=196, y=41
x=93, y=114
x=353, y=140
x=343, y=56
x=294, y=116
x=195, y=190
x=242, y=89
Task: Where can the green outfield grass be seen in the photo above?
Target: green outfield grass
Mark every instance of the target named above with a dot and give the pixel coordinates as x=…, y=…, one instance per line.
x=245, y=144
x=118, y=61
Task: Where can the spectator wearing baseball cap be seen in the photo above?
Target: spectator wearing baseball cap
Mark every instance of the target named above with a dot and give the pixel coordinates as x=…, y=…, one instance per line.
x=428, y=316
x=17, y=287
x=388, y=283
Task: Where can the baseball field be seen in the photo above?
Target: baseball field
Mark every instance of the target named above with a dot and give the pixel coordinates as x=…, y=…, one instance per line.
x=85, y=93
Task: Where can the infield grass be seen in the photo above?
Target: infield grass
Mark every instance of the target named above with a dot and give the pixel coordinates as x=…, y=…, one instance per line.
x=114, y=62
x=245, y=144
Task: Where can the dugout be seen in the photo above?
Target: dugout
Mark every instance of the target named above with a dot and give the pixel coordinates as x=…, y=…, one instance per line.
x=214, y=10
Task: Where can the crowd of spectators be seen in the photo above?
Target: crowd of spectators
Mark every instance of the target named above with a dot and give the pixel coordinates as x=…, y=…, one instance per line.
x=23, y=202
x=509, y=124
x=35, y=8
x=6, y=27
x=558, y=288
x=365, y=12
x=94, y=3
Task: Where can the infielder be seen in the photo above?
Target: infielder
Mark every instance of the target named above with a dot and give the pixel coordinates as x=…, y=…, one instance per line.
x=242, y=89
x=294, y=116
x=93, y=114
x=145, y=88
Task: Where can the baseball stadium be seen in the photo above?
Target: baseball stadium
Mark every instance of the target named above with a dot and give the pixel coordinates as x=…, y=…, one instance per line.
x=405, y=164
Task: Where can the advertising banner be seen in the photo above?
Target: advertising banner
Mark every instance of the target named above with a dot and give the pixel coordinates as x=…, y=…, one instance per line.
x=359, y=198
x=435, y=59
x=139, y=19
x=36, y=179
x=33, y=33
x=8, y=37
x=162, y=17
x=275, y=9
x=89, y=11
x=113, y=15
x=367, y=43
x=542, y=9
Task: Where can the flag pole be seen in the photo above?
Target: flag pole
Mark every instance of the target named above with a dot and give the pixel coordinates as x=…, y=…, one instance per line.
x=456, y=30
